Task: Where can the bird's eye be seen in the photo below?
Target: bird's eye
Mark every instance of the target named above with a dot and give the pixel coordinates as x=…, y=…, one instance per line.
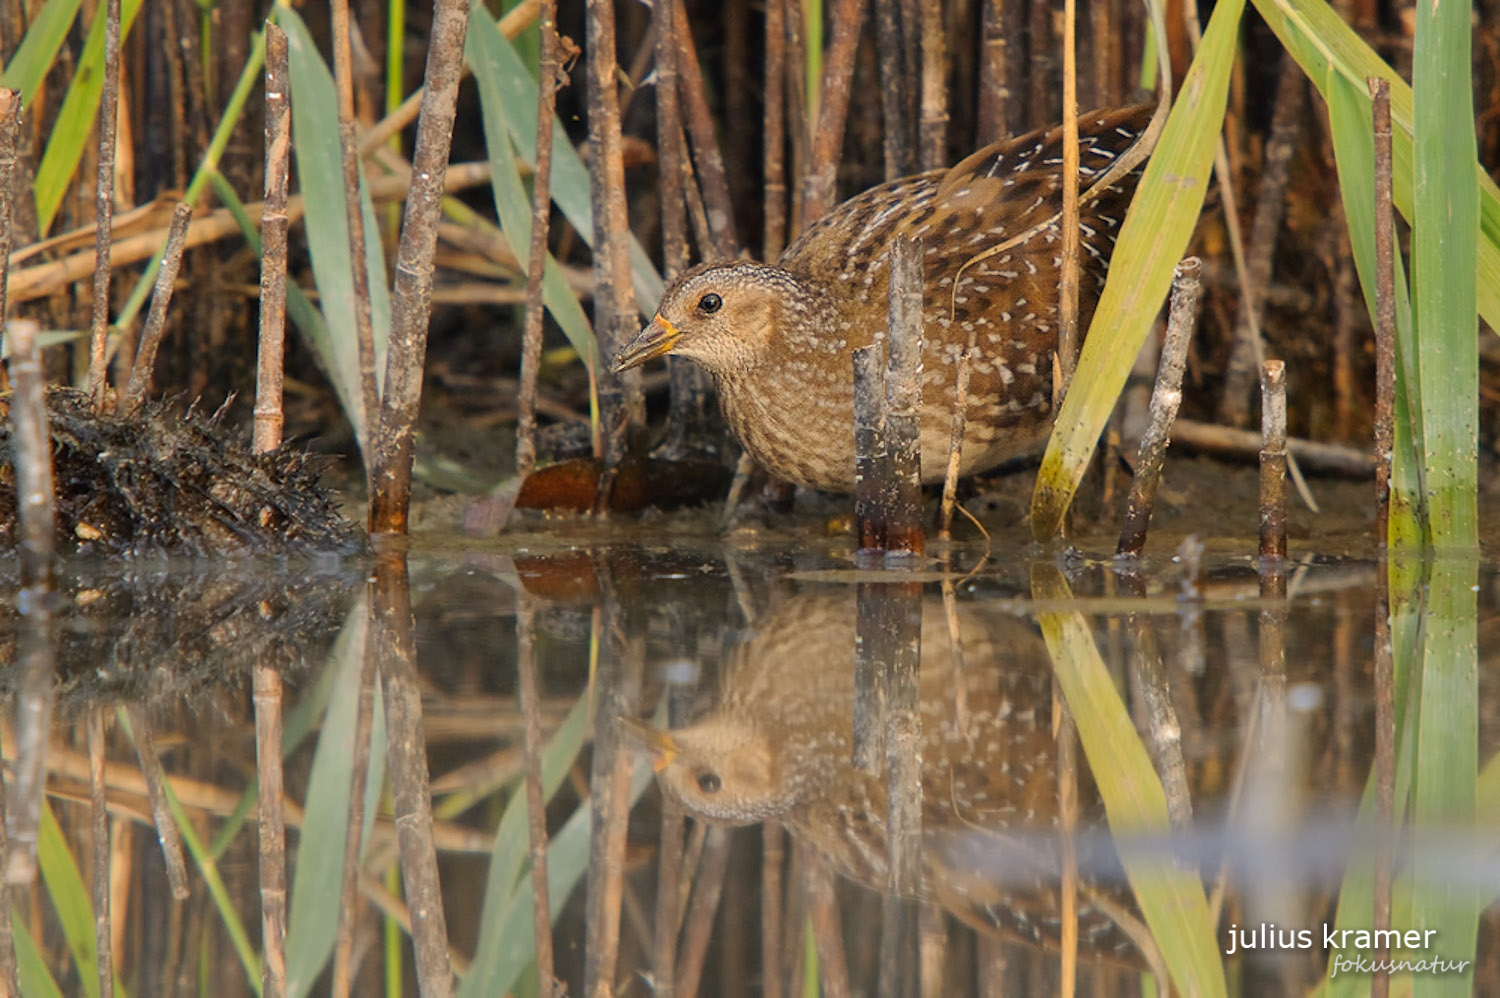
x=710, y=303
x=709, y=783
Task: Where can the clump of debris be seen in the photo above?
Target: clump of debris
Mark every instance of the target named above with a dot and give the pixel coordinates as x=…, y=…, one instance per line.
x=161, y=482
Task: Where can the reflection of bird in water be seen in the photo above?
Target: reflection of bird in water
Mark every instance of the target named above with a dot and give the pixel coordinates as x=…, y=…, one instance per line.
x=778, y=745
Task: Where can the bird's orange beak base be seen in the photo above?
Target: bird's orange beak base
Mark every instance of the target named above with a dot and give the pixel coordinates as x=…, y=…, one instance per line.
x=656, y=340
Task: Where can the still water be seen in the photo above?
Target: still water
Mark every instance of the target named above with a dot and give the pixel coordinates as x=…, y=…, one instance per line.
x=1016, y=775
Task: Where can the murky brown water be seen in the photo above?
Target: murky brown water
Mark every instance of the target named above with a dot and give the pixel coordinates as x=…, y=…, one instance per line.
x=898, y=803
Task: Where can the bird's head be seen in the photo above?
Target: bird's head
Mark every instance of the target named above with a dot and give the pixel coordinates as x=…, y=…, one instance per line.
x=718, y=769
x=725, y=316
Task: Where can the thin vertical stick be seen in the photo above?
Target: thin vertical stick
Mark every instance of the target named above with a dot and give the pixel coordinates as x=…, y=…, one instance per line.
x=267, y=437
x=406, y=760
x=273, y=247
x=668, y=884
x=343, y=75
x=104, y=203
x=541, y=217
x=820, y=186
x=272, y=829
x=1067, y=291
x=1273, y=462
x=772, y=854
x=774, y=134
x=893, y=87
x=871, y=461
x=995, y=117
x=708, y=888
x=932, y=126
x=411, y=296
x=156, y=319
x=536, y=801
x=1270, y=208
x=354, y=820
x=689, y=387
x=903, y=404
x=166, y=827
x=36, y=651
x=1385, y=398
x=10, y=128
x=1166, y=398
x=617, y=684
x=706, y=153
x=1385, y=310
x=822, y=906
x=799, y=128
x=620, y=404
x=99, y=829
x=956, y=438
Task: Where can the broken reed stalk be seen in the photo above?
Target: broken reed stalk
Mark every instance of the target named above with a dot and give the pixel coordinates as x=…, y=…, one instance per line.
x=621, y=408
x=903, y=405
x=541, y=218
x=166, y=828
x=1067, y=289
x=871, y=461
x=36, y=652
x=392, y=436
x=536, y=800
x=1270, y=208
x=99, y=871
x=898, y=946
x=1166, y=729
x=617, y=682
x=10, y=128
x=872, y=657
x=1385, y=310
x=773, y=128
x=354, y=820
x=820, y=185
x=897, y=132
x=395, y=648
x=700, y=124
x=274, y=223
x=772, y=855
x=900, y=609
x=156, y=318
x=708, y=889
x=668, y=884
x=689, y=387
x=32, y=442
x=104, y=204
x=1166, y=398
x=354, y=220
x=1273, y=462
x=1065, y=735
x=272, y=828
x=932, y=125
x=269, y=420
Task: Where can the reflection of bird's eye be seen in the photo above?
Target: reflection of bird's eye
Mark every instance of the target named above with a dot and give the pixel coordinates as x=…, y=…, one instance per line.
x=710, y=303
x=709, y=783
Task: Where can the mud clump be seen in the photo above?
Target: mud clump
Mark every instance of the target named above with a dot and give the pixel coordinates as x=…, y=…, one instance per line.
x=161, y=482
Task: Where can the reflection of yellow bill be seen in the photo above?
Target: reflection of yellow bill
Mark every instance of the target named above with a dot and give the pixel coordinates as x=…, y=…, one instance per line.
x=659, y=743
